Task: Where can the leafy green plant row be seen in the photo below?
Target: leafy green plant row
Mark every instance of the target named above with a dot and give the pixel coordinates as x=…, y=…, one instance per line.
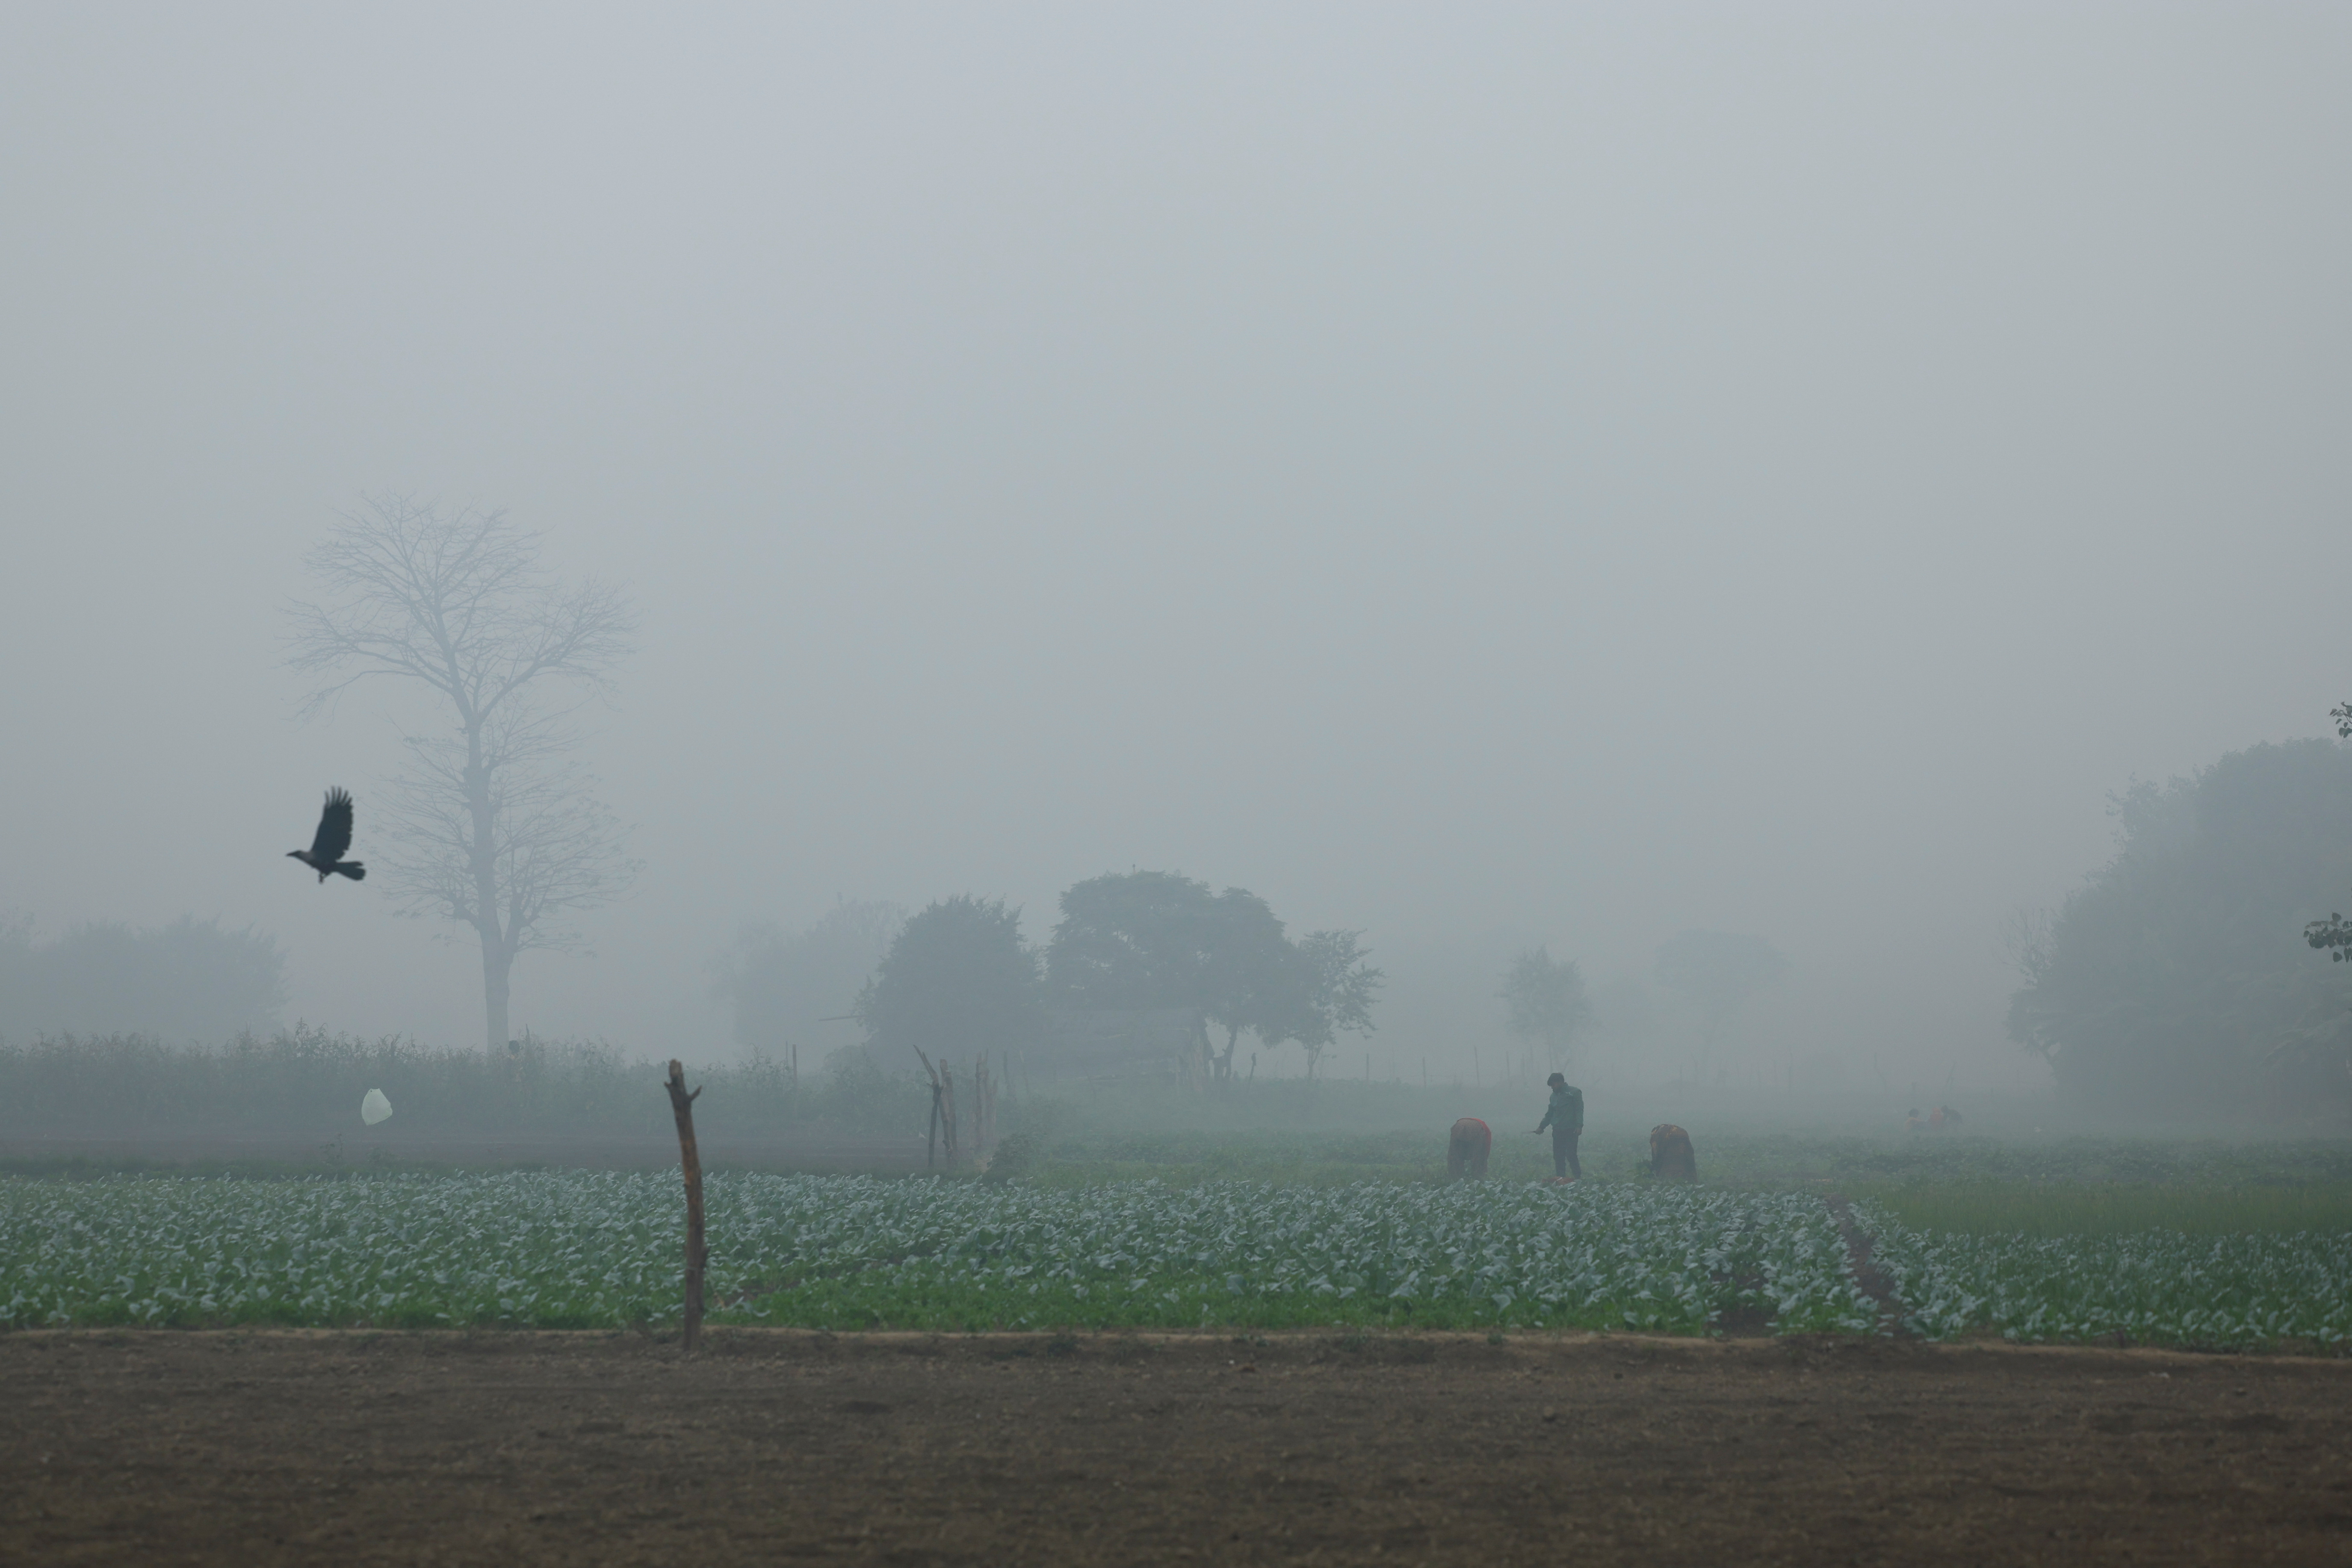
x=583, y=1249
x=2046, y=1209
x=2157, y=1286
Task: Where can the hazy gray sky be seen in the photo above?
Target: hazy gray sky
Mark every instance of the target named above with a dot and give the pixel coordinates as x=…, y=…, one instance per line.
x=1478, y=473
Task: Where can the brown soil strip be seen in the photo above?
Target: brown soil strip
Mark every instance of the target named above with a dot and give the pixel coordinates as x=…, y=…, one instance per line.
x=1873, y=1282
x=259, y=1450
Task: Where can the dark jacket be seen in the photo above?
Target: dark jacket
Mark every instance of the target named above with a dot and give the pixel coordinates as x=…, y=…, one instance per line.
x=1566, y=1112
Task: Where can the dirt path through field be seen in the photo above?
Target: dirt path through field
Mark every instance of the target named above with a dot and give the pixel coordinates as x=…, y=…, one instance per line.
x=252, y=1449
x=1859, y=1244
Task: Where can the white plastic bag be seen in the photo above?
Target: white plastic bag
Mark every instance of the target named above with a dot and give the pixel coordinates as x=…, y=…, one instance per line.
x=374, y=1107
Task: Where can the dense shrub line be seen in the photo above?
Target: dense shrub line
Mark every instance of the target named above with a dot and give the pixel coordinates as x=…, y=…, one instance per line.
x=303, y=1081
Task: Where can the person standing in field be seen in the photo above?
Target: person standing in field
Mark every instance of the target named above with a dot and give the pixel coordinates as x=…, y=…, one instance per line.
x=1565, y=1117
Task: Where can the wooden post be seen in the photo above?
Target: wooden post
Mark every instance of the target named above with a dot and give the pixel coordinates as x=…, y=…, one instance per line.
x=984, y=1136
x=947, y=1076
x=978, y=1109
x=690, y=1159
x=931, y=1142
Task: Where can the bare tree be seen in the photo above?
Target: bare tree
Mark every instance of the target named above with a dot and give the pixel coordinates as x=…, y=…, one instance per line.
x=1547, y=1001
x=1343, y=985
x=494, y=825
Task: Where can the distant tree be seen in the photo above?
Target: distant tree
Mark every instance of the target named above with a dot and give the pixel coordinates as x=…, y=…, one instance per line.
x=1133, y=941
x=2165, y=985
x=1546, y=999
x=1717, y=974
x=18, y=970
x=784, y=987
x=1254, y=978
x=494, y=825
x=191, y=980
x=2333, y=936
x=957, y=977
x=1141, y=941
x=1342, y=986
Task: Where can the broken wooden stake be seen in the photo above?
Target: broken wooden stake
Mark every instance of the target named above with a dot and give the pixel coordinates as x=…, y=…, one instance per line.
x=682, y=1104
x=947, y=1079
x=942, y=1112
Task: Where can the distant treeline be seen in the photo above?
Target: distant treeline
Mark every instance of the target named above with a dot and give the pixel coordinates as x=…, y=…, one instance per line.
x=304, y=1082
x=191, y=980
x=2177, y=981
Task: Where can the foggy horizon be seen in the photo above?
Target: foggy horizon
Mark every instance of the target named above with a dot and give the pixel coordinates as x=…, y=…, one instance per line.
x=1485, y=478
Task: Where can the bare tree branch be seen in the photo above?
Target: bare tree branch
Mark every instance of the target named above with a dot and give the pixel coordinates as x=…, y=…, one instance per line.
x=494, y=825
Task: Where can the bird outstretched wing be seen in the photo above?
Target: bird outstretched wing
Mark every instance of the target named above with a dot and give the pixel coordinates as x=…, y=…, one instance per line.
x=334, y=830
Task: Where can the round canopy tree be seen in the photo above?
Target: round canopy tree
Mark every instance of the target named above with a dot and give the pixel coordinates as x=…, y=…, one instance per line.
x=958, y=977
x=2172, y=982
x=1140, y=941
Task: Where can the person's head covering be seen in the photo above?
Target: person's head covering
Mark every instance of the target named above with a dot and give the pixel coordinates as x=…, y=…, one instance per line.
x=1557, y=1081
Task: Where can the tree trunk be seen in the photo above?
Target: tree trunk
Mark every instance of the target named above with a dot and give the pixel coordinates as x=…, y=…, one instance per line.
x=498, y=951
x=498, y=965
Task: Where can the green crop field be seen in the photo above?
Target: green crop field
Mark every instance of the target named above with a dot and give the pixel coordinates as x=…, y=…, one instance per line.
x=2240, y=1265
x=581, y=1250
x=2110, y=1208
x=2154, y=1286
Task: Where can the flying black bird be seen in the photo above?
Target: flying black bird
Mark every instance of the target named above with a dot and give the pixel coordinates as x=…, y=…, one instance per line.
x=326, y=851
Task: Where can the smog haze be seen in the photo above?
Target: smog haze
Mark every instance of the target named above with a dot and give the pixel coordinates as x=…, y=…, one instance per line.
x=1483, y=476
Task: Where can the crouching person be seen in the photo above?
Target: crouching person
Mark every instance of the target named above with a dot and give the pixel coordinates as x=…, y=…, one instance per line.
x=1565, y=1117
x=1672, y=1159
x=1467, y=1148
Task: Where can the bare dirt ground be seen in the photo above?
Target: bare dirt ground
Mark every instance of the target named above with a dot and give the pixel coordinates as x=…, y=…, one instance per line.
x=263, y=1448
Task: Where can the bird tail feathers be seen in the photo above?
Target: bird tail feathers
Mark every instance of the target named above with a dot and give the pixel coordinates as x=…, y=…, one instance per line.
x=351, y=868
